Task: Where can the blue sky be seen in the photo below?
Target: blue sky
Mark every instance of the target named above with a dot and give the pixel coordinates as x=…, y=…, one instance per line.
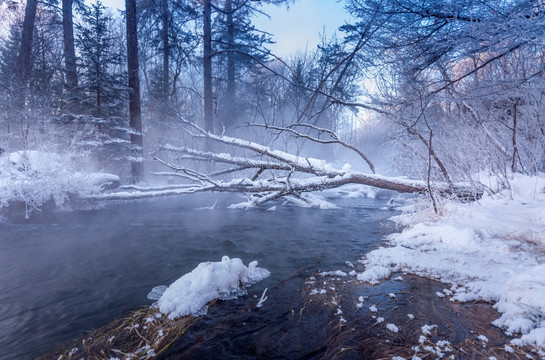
x=295, y=28
x=300, y=26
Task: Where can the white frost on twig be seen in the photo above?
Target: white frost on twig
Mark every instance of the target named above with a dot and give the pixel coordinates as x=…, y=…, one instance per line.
x=262, y=299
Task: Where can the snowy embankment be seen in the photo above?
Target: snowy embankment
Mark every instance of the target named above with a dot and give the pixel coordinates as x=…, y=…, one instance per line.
x=223, y=280
x=35, y=178
x=492, y=250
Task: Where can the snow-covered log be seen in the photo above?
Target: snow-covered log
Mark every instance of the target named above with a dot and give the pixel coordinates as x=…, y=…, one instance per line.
x=270, y=190
x=264, y=174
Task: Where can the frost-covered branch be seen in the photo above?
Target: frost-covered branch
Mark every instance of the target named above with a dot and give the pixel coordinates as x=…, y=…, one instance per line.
x=334, y=139
x=261, y=191
x=487, y=132
x=242, y=162
x=187, y=173
x=265, y=174
x=296, y=163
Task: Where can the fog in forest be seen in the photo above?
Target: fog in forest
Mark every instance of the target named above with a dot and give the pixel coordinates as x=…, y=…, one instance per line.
x=357, y=141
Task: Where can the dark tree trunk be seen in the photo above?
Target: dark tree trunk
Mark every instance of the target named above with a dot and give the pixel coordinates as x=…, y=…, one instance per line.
x=230, y=96
x=207, y=66
x=69, y=49
x=514, y=139
x=24, y=64
x=135, y=114
x=99, y=105
x=166, y=64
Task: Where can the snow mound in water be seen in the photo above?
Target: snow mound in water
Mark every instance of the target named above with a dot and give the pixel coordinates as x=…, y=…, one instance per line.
x=224, y=280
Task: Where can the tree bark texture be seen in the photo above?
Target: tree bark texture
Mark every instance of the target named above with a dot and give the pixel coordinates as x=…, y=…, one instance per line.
x=230, y=94
x=69, y=49
x=24, y=63
x=166, y=64
x=514, y=139
x=135, y=113
x=207, y=67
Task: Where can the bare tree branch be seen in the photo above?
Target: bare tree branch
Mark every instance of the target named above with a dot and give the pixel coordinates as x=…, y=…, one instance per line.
x=187, y=173
x=291, y=175
x=334, y=138
x=282, y=187
x=296, y=163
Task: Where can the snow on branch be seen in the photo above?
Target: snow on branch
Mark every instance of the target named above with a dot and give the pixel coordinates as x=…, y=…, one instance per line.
x=276, y=174
x=262, y=191
x=187, y=173
x=264, y=174
x=295, y=163
x=334, y=139
x=242, y=162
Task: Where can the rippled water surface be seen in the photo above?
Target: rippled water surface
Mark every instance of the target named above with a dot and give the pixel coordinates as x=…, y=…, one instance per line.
x=64, y=273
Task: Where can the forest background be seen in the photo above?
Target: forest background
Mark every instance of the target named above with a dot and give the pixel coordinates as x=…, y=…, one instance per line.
x=441, y=91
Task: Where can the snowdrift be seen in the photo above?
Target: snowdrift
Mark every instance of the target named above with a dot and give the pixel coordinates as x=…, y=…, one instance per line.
x=223, y=280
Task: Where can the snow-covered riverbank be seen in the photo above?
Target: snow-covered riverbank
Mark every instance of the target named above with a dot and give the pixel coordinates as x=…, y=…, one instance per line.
x=492, y=250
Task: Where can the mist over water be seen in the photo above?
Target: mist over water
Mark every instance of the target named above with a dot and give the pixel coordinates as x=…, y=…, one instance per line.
x=64, y=273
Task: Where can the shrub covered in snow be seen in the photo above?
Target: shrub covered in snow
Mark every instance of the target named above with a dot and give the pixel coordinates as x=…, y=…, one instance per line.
x=35, y=178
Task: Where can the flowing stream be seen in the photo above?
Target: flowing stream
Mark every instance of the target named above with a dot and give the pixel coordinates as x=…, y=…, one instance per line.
x=66, y=272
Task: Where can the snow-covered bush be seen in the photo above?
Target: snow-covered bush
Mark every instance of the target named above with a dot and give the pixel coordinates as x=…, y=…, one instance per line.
x=35, y=178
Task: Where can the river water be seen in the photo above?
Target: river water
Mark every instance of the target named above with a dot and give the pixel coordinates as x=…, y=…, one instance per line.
x=66, y=272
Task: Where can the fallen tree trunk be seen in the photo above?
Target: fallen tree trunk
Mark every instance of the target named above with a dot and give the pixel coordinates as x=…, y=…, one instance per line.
x=288, y=175
x=271, y=191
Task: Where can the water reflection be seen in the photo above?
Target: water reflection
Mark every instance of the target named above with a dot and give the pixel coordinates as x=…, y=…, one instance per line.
x=64, y=273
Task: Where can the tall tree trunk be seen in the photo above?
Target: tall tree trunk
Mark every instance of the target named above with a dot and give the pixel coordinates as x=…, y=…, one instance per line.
x=135, y=114
x=99, y=105
x=514, y=138
x=207, y=66
x=166, y=65
x=69, y=49
x=230, y=96
x=24, y=58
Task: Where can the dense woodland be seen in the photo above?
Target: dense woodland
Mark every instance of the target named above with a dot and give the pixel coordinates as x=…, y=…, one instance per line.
x=439, y=90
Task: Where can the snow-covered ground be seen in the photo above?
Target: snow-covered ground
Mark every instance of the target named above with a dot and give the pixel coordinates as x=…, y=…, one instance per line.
x=492, y=250
x=36, y=177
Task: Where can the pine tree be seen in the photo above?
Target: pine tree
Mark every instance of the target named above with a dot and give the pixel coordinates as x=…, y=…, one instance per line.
x=166, y=49
x=101, y=61
x=103, y=93
x=236, y=47
x=239, y=46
